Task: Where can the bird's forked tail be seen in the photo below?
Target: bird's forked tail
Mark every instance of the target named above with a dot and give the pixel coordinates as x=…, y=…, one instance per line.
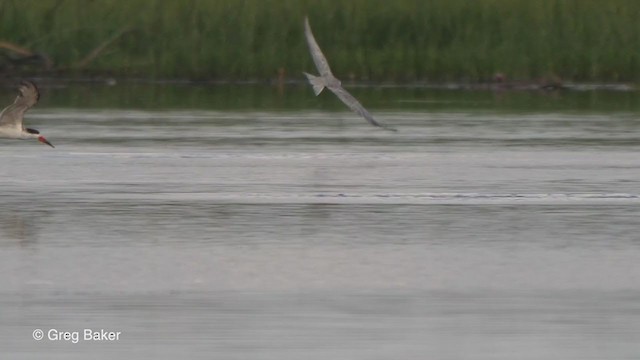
x=317, y=82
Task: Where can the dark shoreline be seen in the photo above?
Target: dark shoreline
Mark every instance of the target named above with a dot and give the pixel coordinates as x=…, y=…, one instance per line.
x=48, y=81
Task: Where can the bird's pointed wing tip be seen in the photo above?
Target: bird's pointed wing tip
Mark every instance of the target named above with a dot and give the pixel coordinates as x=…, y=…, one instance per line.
x=375, y=123
x=383, y=126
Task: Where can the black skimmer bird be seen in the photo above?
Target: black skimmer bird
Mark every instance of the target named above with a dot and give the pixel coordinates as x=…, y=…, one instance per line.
x=11, y=117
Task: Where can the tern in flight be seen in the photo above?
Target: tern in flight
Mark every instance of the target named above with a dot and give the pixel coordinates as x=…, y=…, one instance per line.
x=11, y=117
x=326, y=79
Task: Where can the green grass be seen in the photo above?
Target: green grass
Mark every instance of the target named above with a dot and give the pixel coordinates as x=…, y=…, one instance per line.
x=379, y=40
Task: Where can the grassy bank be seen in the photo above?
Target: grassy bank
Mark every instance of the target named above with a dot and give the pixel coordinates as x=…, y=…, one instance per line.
x=380, y=40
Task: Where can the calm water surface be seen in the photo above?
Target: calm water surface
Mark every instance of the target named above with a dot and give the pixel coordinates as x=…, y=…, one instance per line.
x=274, y=230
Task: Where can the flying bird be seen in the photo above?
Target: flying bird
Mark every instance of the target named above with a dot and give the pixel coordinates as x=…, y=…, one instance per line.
x=11, y=117
x=328, y=80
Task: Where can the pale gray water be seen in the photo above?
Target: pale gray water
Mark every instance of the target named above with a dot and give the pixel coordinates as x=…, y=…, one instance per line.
x=312, y=235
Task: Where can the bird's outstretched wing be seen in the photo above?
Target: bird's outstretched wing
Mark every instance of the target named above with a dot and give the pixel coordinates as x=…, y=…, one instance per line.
x=355, y=105
x=318, y=57
x=331, y=82
x=28, y=96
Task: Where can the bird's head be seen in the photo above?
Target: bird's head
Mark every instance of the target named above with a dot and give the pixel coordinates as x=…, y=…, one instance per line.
x=335, y=82
x=36, y=134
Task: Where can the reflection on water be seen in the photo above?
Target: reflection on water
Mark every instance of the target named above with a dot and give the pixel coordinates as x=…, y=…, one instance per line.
x=278, y=233
x=14, y=226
